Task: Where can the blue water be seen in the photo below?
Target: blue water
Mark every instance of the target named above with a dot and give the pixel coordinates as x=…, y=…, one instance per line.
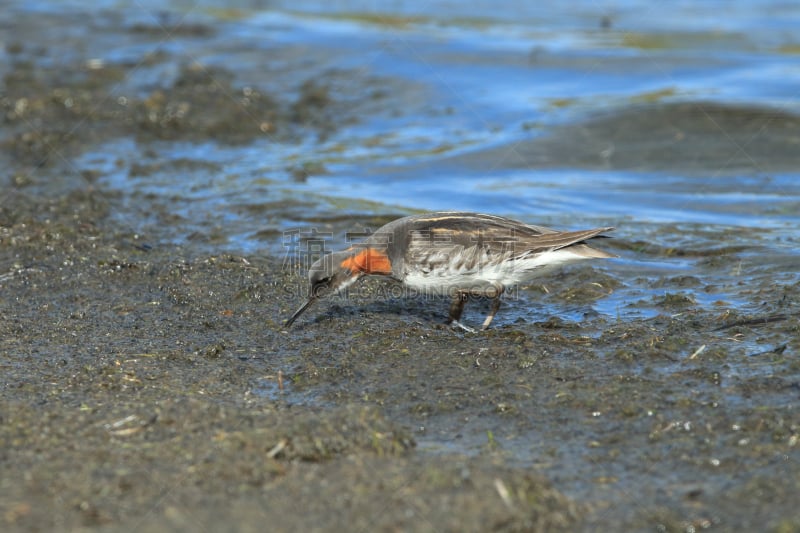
x=473, y=77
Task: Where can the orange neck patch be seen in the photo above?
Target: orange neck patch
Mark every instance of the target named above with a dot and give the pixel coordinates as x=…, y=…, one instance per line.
x=368, y=261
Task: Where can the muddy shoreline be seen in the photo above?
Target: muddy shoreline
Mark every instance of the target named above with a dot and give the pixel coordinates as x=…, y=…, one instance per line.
x=148, y=385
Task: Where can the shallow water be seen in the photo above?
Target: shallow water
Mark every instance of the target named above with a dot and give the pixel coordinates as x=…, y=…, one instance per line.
x=499, y=77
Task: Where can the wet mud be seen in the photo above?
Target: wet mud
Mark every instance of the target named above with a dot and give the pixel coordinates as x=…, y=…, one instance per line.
x=151, y=386
x=694, y=138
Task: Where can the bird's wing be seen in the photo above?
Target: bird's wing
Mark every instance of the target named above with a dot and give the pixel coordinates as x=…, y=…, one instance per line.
x=493, y=235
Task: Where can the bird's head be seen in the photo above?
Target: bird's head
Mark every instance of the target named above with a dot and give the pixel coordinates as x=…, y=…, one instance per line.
x=335, y=272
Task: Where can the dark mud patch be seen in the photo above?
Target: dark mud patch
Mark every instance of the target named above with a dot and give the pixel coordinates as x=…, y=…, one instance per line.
x=687, y=138
x=55, y=102
x=49, y=116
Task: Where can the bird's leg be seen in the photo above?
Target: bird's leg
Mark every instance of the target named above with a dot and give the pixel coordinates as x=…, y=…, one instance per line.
x=457, y=305
x=456, y=309
x=493, y=309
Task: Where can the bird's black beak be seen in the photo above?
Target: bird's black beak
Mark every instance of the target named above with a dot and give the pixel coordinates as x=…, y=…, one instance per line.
x=300, y=311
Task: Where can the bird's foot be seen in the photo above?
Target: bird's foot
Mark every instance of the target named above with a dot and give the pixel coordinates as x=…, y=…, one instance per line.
x=456, y=324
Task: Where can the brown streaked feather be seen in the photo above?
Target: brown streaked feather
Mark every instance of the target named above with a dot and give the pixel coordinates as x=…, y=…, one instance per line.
x=496, y=234
x=564, y=239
